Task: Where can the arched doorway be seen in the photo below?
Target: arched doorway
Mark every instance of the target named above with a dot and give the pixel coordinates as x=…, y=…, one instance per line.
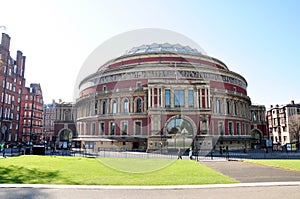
x=256, y=136
x=180, y=131
x=65, y=138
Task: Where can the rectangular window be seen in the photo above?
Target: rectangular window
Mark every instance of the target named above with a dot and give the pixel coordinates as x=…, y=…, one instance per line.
x=124, y=128
x=87, y=129
x=203, y=126
x=96, y=107
x=101, y=128
x=179, y=98
x=104, y=88
x=230, y=128
x=191, y=98
x=138, y=128
x=228, y=107
x=139, y=85
x=126, y=106
x=112, y=128
x=167, y=98
x=104, y=107
x=93, y=128
x=243, y=129
x=235, y=108
x=237, y=128
x=114, y=107
x=221, y=128
x=218, y=106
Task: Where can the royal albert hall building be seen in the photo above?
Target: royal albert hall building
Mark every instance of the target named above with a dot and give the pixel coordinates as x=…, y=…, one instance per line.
x=163, y=97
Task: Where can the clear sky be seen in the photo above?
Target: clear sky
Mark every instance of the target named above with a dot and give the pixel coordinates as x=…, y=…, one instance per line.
x=258, y=39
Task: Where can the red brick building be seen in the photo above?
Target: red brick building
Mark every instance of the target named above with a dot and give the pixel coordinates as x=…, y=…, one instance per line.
x=49, y=116
x=163, y=97
x=259, y=129
x=64, y=125
x=20, y=107
x=32, y=114
x=12, y=82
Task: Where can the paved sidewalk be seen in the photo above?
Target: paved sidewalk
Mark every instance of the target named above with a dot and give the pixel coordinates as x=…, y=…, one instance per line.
x=229, y=191
x=246, y=172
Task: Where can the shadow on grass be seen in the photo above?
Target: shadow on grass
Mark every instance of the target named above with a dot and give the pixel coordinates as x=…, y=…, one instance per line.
x=22, y=175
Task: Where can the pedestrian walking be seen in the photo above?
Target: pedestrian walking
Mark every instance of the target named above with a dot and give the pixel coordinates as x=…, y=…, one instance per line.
x=179, y=154
x=2, y=149
x=191, y=154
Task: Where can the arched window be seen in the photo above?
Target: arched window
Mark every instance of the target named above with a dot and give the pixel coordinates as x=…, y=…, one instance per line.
x=126, y=106
x=65, y=135
x=139, y=104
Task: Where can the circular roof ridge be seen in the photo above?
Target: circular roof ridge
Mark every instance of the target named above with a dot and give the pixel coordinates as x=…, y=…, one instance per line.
x=164, y=47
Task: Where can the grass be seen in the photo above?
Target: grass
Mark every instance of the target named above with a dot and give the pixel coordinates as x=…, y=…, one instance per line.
x=131, y=165
x=90, y=171
x=286, y=164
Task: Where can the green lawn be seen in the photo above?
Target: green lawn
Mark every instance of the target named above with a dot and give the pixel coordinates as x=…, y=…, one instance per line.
x=132, y=165
x=286, y=164
x=93, y=171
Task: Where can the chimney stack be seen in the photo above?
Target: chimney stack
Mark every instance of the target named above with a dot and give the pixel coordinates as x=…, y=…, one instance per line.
x=293, y=102
x=5, y=41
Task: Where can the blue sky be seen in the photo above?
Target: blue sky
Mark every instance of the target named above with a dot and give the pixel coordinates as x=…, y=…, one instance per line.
x=258, y=39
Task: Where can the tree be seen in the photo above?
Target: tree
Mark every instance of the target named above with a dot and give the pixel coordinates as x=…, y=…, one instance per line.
x=294, y=128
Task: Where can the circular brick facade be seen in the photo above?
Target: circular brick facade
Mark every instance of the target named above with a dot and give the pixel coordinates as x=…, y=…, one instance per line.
x=161, y=97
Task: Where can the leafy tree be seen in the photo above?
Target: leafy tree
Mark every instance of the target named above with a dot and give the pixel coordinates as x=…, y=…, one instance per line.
x=294, y=128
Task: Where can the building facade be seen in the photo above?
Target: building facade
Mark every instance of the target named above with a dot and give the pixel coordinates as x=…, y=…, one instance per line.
x=163, y=97
x=32, y=115
x=49, y=116
x=259, y=125
x=12, y=84
x=280, y=119
x=64, y=126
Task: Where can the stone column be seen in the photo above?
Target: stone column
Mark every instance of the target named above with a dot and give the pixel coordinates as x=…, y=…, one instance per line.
x=152, y=97
x=149, y=97
x=162, y=97
x=205, y=98
x=158, y=97
x=131, y=104
x=119, y=105
x=186, y=98
x=200, y=105
x=208, y=97
x=172, y=98
x=196, y=98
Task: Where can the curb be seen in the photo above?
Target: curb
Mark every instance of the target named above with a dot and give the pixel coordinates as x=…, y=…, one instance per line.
x=91, y=187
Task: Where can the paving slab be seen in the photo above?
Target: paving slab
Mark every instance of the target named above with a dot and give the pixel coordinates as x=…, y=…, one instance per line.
x=246, y=172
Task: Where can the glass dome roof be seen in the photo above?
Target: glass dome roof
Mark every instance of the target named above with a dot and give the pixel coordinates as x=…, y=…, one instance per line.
x=166, y=47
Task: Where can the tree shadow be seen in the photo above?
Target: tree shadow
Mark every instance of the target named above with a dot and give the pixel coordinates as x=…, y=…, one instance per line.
x=22, y=175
